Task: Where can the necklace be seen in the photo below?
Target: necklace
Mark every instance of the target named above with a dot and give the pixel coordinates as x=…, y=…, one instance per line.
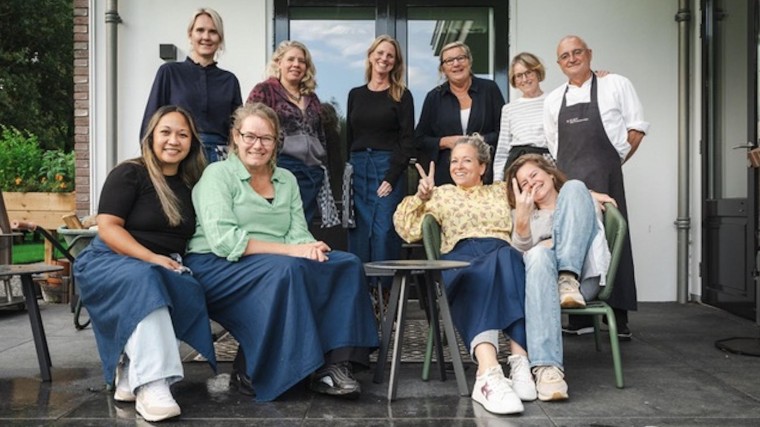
x=296, y=98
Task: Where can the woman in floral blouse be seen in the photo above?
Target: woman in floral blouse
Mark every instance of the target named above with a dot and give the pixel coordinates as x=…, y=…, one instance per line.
x=289, y=91
x=489, y=295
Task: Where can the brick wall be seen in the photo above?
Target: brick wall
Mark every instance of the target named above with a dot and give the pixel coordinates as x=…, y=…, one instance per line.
x=82, y=104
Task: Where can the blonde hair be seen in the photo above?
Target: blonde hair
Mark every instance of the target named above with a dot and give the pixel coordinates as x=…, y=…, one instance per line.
x=397, y=73
x=215, y=18
x=530, y=62
x=309, y=82
x=190, y=168
x=263, y=112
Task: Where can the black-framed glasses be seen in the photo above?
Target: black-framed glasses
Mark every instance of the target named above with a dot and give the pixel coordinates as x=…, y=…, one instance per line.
x=450, y=61
x=575, y=52
x=524, y=75
x=251, y=138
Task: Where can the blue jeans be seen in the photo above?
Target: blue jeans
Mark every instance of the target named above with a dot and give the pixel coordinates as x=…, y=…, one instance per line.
x=573, y=231
x=309, y=182
x=211, y=142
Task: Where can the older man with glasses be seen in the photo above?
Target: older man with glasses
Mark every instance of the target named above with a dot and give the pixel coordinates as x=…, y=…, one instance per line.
x=594, y=125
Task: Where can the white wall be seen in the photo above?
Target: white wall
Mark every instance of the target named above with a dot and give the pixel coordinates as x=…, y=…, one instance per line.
x=638, y=39
x=148, y=23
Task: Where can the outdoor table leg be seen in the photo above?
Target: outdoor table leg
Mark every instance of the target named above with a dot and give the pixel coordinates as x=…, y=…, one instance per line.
x=387, y=330
x=399, y=337
x=433, y=320
x=38, y=329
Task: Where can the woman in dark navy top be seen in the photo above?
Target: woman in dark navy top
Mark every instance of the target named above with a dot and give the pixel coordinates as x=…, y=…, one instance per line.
x=380, y=137
x=462, y=105
x=209, y=93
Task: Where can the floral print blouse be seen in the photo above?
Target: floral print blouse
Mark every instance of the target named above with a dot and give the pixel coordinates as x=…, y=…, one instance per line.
x=481, y=211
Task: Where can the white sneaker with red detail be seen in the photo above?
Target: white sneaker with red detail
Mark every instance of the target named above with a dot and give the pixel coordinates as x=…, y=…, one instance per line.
x=492, y=390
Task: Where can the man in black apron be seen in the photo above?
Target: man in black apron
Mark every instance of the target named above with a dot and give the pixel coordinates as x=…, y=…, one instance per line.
x=584, y=151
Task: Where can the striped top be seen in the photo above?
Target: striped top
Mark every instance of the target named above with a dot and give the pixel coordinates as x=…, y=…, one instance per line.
x=522, y=123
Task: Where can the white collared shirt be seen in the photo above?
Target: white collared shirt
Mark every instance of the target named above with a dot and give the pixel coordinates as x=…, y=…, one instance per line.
x=619, y=107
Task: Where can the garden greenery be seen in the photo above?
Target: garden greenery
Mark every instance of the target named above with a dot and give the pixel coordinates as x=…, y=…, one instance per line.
x=25, y=166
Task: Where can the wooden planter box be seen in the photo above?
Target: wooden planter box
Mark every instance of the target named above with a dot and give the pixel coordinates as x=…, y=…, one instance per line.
x=43, y=209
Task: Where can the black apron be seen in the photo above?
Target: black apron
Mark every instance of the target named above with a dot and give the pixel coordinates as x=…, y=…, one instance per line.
x=587, y=154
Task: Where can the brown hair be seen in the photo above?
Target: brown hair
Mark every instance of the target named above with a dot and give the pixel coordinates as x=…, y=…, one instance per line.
x=540, y=161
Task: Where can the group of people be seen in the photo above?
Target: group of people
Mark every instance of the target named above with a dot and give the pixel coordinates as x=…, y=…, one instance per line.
x=181, y=242
x=534, y=238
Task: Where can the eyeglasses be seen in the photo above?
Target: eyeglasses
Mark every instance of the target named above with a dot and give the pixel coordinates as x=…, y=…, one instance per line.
x=450, y=61
x=251, y=138
x=524, y=75
x=575, y=52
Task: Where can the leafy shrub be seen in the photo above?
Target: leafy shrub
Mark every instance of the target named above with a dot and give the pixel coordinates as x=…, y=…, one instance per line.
x=24, y=166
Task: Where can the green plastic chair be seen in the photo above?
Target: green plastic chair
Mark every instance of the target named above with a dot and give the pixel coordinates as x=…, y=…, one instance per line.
x=615, y=229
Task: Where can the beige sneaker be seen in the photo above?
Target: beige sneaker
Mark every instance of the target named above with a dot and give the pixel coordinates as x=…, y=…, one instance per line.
x=123, y=392
x=569, y=292
x=550, y=383
x=155, y=401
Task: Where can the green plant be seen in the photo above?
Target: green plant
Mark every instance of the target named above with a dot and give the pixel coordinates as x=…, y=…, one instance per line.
x=24, y=166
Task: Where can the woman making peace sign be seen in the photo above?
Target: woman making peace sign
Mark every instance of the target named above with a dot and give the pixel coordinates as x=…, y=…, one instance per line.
x=489, y=295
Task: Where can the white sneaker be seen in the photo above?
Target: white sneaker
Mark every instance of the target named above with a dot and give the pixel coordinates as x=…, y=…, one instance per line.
x=123, y=391
x=522, y=379
x=569, y=292
x=155, y=401
x=492, y=390
x=550, y=382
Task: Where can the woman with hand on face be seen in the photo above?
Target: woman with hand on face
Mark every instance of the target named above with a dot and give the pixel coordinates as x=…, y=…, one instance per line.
x=131, y=279
x=558, y=226
x=380, y=139
x=488, y=296
x=289, y=91
x=209, y=93
x=462, y=105
x=296, y=307
x=522, y=126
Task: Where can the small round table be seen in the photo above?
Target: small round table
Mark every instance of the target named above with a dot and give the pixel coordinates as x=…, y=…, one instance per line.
x=38, y=329
x=433, y=289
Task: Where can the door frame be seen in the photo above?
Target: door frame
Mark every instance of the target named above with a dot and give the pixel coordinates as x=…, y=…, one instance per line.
x=709, y=157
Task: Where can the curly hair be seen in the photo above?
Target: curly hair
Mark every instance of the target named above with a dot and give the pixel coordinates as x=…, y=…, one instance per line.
x=308, y=83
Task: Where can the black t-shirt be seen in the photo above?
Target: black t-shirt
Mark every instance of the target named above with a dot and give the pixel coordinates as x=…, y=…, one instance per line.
x=129, y=194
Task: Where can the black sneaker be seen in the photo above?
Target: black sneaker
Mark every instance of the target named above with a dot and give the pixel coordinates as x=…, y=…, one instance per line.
x=242, y=383
x=577, y=330
x=336, y=379
x=624, y=334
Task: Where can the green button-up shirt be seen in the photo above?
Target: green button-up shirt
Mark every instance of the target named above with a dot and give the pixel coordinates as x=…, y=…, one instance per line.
x=229, y=213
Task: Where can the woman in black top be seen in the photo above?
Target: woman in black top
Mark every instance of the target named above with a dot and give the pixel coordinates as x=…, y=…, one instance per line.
x=139, y=296
x=462, y=105
x=380, y=143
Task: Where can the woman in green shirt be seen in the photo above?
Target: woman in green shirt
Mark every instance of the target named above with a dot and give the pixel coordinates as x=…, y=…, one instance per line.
x=296, y=307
